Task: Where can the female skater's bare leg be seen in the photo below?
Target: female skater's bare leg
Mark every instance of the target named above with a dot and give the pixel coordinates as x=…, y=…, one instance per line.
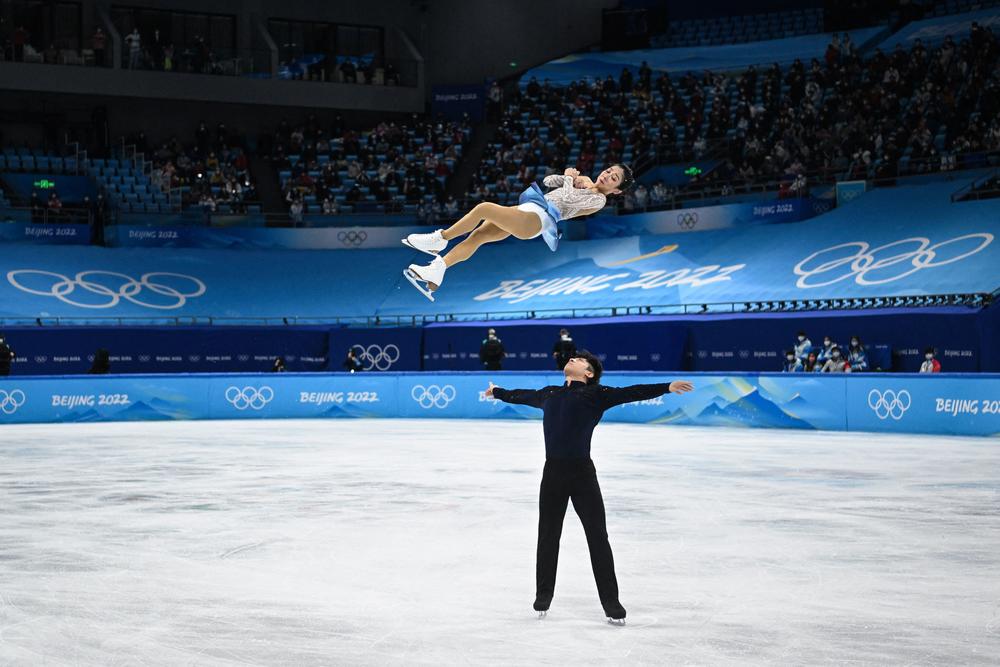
x=484, y=233
x=521, y=224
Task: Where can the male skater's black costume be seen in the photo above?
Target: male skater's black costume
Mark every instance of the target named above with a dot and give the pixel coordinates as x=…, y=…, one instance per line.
x=571, y=413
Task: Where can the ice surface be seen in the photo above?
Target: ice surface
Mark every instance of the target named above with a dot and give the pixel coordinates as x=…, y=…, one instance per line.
x=357, y=542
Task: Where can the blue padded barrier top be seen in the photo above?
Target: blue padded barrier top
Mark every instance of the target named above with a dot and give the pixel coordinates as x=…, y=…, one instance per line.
x=941, y=404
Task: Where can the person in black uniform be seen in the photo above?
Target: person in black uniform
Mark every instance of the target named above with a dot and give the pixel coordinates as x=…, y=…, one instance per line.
x=6, y=356
x=491, y=352
x=572, y=410
x=352, y=364
x=564, y=349
x=102, y=363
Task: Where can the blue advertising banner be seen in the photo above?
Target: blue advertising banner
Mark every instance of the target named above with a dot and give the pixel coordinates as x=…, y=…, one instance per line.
x=255, y=238
x=53, y=233
x=172, y=349
x=385, y=349
x=454, y=101
x=848, y=191
x=941, y=404
x=895, y=241
x=725, y=216
x=622, y=343
x=894, y=340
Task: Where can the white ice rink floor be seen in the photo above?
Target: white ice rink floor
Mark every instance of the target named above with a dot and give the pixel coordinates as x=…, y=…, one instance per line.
x=357, y=542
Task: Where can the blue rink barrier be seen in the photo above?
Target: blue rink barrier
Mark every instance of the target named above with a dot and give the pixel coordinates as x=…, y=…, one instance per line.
x=940, y=404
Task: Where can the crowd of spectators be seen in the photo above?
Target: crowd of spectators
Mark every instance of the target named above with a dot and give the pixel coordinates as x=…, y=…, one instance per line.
x=839, y=116
x=212, y=172
x=803, y=357
x=395, y=166
x=905, y=112
x=546, y=128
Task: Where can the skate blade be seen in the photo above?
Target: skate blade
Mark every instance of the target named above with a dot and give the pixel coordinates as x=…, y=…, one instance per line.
x=620, y=622
x=432, y=253
x=416, y=282
x=542, y=614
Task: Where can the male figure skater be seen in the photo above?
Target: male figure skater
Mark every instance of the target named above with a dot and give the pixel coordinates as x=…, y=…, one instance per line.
x=572, y=410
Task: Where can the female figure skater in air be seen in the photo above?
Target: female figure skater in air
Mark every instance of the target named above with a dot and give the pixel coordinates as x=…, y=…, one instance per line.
x=535, y=215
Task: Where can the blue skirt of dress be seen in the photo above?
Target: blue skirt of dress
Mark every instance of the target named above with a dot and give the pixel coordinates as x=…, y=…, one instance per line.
x=550, y=229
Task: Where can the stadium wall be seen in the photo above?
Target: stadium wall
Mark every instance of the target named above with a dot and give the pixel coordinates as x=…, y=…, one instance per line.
x=942, y=404
x=894, y=339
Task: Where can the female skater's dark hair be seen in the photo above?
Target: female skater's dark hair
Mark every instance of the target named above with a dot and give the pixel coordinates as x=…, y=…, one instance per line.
x=628, y=178
x=595, y=365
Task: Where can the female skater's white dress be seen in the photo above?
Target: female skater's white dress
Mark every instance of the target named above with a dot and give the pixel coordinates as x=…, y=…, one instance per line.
x=563, y=203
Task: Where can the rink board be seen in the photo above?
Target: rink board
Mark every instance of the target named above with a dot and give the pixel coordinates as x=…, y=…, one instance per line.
x=941, y=404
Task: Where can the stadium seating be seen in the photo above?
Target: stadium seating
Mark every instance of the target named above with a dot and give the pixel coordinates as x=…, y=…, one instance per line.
x=740, y=29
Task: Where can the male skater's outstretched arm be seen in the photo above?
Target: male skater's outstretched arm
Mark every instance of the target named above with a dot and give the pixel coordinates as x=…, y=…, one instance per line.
x=534, y=397
x=612, y=396
x=571, y=412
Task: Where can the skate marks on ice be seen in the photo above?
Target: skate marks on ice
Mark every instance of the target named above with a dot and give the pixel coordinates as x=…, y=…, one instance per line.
x=412, y=542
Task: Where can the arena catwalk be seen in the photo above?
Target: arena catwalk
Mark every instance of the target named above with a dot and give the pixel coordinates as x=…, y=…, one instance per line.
x=368, y=542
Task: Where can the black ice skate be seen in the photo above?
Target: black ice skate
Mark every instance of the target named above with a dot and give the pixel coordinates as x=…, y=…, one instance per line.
x=541, y=605
x=615, y=613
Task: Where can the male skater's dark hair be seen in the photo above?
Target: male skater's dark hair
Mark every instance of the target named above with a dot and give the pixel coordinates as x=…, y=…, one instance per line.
x=595, y=365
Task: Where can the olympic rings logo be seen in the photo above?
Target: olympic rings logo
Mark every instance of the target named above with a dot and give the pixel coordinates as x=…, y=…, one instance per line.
x=687, y=220
x=352, y=238
x=864, y=260
x=11, y=401
x=433, y=396
x=128, y=288
x=249, y=397
x=889, y=403
x=376, y=356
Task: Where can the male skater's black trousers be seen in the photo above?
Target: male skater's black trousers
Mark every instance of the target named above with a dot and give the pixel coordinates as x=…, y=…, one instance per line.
x=562, y=480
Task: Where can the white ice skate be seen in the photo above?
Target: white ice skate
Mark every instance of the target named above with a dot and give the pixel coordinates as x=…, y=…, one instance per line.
x=431, y=243
x=428, y=278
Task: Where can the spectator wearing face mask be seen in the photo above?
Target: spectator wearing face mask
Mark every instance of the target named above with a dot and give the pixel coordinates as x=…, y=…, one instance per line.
x=836, y=363
x=824, y=352
x=803, y=346
x=792, y=363
x=856, y=356
x=930, y=365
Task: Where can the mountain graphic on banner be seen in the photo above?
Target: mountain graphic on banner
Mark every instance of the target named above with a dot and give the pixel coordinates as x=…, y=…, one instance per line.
x=511, y=412
x=75, y=416
x=336, y=411
x=142, y=411
x=751, y=409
